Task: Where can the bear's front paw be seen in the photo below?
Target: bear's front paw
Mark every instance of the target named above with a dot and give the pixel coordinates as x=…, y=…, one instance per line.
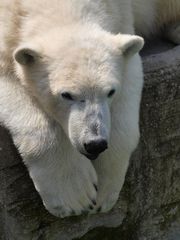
x=106, y=201
x=67, y=192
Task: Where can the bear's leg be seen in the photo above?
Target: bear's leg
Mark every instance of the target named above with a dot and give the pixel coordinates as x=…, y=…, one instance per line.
x=65, y=181
x=111, y=170
x=172, y=32
x=112, y=165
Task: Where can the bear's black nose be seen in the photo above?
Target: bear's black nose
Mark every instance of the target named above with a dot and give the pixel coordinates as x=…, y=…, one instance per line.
x=95, y=147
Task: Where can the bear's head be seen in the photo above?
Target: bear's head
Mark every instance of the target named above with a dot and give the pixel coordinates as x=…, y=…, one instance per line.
x=75, y=76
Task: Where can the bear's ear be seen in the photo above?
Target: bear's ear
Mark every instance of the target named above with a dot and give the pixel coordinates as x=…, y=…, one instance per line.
x=129, y=44
x=26, y=55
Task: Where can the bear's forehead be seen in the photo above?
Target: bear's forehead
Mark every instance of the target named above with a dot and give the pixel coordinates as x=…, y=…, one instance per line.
x=88, y=72
x=84, y=55
x=81, y=64
x=85, y=84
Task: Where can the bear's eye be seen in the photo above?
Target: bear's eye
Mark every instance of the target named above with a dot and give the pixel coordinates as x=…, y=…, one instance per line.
x=111, y=93
x=67, y=96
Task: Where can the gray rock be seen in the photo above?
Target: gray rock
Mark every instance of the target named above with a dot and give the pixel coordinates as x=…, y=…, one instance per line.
x=149, y=204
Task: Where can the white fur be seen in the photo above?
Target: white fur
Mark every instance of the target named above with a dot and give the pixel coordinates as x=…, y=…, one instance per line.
x=87, y=49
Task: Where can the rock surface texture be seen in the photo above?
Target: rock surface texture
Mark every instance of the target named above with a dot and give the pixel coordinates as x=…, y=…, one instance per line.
x=149, y=205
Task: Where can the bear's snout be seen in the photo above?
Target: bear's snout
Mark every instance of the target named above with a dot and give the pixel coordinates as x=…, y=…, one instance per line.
x=95, y=147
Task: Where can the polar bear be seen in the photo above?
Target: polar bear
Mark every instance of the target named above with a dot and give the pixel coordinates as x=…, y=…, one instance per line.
x=70, y=89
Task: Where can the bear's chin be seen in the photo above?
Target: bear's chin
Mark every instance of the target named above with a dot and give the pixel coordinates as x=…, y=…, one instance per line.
x=91, y=156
